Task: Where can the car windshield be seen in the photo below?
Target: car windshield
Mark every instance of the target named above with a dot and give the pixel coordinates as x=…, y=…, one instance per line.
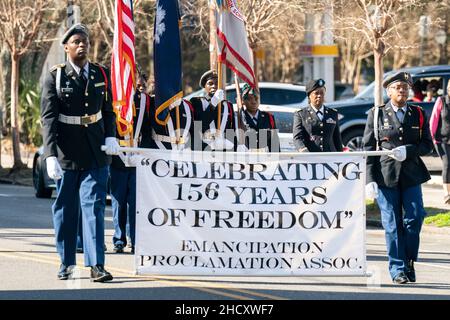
x=367, y=93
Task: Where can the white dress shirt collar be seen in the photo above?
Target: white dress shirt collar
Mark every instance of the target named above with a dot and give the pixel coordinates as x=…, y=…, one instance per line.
x=77, y=68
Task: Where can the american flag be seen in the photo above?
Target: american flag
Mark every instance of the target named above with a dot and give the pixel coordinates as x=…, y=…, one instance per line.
x=123, y=67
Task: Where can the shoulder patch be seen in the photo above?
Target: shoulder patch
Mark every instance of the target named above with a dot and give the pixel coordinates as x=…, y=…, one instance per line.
x=60, y=65
x=416, y=106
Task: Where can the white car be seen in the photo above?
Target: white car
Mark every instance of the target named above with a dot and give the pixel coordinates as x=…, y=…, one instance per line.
x=284, y=118
x=271, y=93
x=280, y=99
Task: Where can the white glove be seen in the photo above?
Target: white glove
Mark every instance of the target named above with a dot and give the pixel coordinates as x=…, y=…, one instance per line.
x=242, y=148
x=174, y=104
x=217, y=97
x=112, y=146
x=221, y=144
x=132, y=160
x=371, y=190
x=399, y=153
x=54, y=170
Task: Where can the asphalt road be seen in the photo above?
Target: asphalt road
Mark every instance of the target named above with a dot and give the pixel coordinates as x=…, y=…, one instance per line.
x=28, y=266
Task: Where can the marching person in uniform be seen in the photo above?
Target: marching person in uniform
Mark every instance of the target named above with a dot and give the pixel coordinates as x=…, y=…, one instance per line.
x=77, y=119
x=123, y=178
x=177, y=133
x=316, y=127
x=217, y=125
x=260, y=130
x=395, y=180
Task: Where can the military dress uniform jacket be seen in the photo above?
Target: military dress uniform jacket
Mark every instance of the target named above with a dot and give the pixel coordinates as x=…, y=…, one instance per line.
x=144, y=140
x=316, y=135
x=413, y=133
x=207, y=114
x=76, y=146
x=262, y=134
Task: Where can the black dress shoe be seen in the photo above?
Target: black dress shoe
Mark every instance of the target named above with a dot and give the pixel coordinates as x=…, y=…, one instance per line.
x=132, y=250
x=99, y=274
x=80, y=250
x=400, y=278
x=411, y=273
x=64, y=272
x=118, y=248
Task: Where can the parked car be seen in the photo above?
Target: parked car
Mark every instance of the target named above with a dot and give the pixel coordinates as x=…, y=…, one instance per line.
x=272, y=93
x=343, y=91
x=43, y=185
x=353, y=112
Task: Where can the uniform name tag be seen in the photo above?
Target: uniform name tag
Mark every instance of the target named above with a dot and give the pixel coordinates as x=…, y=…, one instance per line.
x=415, y=127
x=387, y=127
x=65, y=90
x=100, y=84
x=329, y=120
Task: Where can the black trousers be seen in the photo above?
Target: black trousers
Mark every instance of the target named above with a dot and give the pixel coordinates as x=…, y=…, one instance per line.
x=443, y=149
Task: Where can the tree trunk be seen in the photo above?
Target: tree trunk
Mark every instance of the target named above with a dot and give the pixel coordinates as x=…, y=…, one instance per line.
x=378, y=53
x=15, y=63
x=357, y=76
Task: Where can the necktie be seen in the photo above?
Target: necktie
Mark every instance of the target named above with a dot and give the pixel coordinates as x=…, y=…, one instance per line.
x=400, y=115
x=255, y=120
x=319, y=115
x=83, y=78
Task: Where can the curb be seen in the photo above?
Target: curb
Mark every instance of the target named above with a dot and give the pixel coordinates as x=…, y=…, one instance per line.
x=15, y=183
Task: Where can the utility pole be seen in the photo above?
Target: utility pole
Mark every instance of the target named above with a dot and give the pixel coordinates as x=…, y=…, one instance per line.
x=56, y=52
x=319, y=50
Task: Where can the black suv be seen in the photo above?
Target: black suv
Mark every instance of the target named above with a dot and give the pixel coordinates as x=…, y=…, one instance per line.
x=353, y=112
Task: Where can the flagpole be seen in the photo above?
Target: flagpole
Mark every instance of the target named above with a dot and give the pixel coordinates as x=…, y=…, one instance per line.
x=239, y=126
x=219, y=86
x=177, y=132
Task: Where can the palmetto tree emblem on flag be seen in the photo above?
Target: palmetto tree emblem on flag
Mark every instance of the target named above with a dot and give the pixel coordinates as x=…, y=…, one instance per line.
x=160, y=26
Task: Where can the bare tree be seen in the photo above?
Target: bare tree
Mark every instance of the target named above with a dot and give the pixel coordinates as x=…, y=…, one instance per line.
x=21, y=20
x=381, y=23
x=272, y=25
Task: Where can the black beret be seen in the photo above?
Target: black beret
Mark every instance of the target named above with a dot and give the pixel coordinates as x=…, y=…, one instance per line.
x=247, y=89
x=313, y=85
x=75, y=29
x=206, y=76
x=399, y=76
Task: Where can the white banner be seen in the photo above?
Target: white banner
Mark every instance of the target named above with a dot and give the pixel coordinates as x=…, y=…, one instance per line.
x=270, y=214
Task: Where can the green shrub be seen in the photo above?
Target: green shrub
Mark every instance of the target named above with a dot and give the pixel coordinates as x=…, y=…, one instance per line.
x=29, y=112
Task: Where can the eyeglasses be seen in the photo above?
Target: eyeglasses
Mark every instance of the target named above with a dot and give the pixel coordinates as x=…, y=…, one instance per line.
x=399, y=87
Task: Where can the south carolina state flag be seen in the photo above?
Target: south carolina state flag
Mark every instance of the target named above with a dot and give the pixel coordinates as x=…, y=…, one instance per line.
x=167, y=58
x=233, y=47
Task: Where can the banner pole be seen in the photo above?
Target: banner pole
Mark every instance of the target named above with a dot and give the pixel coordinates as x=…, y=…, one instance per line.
x=219, y=86
x=287, y=154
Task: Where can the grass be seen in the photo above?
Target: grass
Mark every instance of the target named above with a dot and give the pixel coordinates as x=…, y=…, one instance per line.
x=439, y=220
x=435, y=216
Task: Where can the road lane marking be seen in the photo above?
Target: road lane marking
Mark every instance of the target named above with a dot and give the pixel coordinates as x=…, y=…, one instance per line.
x=172, y=282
